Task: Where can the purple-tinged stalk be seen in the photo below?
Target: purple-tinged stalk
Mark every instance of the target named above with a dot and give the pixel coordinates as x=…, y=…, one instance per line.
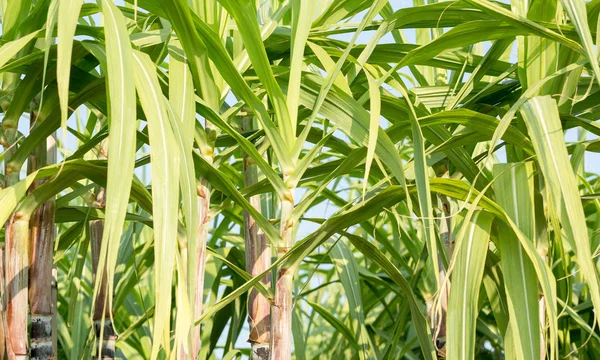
x=3, y=290
x=281, y=311
x=203, y=188
x=258, y=259
x=2, y=307
x=54, y=307
x=203, y=207
x=42, y=235
x=102, y=313
x=3, y=324
x=103, y=327
x=2, y=302
x=16, y=259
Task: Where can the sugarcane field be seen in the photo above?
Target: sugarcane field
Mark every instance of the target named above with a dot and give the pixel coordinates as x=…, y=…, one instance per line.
x=299, y=179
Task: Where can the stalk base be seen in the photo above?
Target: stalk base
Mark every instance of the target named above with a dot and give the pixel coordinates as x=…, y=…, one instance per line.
x=41, y=337
x=260, y=351
x=108, y=341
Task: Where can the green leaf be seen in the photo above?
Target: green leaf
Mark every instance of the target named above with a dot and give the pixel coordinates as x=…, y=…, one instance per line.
x=11, y=196
x=68, y=13
x=348, y=271
x=303, y=12
x=374, y=112
x=460, y=36
x=327, y=83
x=165, y=156
x=11, y=48
x=421, y=326
x=523, y=24
x=514, y=193
x=578, y=15
x=247, y=146
x=121, y=148
x=531, y=92
x=182, y=118
x=196, y=35
x=51, y=20
x=542, y=119
x=354, y=120
x=299, y=345
x=244, y=13
x=329, y=65
x=466, y=277
x=337, y=324
x=423, y=189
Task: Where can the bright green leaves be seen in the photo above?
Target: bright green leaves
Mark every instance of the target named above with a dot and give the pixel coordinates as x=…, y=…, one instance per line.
x=520, y=23
x=11, y=48
x=196, y=35
x=180, y=16
x=543, y=121
x=244, y=13
x=68, y=13
x=461, y=35
x=122, y=127
x=332, y=75
x=507, y=118
x=352, y=119
x=182, y=116
x=247, y=146
x=348, y=271
x=328, y=65
x=514, y=193
x=538, y=57
x=303, y=13
x=421, y=326
x=466, y=280
x=497, y=49
x=578, y=15
x=423, y=188
x=380, y=276
x=165, y=162
x=13, y=14
x=10, y=197
x=374, y=114
x=338, y=325
x=51, y=19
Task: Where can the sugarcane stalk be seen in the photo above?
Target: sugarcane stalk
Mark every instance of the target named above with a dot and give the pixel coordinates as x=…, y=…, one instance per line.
x=258, y=259
x=203, y=203
x=2, y=301
x=281, y=311
x=444, y=295
x=42, y=233
x=103, y=326
x=54, y=310
x=440, y=311
x=17, y=277
x=16, y=259
x=2, y=307
x=208, y=90
x=203, y=188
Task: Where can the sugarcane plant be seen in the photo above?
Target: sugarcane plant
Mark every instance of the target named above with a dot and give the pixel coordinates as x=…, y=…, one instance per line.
x=41, y=279
x=278, y=179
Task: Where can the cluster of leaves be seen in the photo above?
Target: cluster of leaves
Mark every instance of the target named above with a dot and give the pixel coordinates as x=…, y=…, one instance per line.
x=446, y=205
